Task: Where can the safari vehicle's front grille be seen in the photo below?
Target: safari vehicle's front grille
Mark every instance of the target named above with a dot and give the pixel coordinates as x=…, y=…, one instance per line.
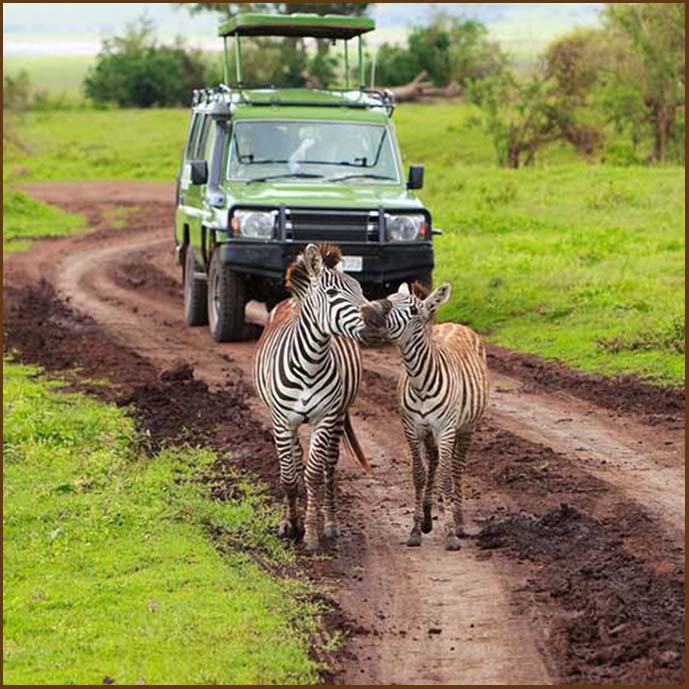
x=334, y=226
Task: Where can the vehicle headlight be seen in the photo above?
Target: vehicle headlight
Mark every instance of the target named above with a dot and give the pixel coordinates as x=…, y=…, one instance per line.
x=253, y=224
x=405, y=228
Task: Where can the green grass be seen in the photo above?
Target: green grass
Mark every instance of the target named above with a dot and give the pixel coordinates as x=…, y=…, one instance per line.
x=108, y=566
x=56, y=74
x=25, y=219
x=584, y=263
x=98, y=144
x=579, y=262
x=575, y=262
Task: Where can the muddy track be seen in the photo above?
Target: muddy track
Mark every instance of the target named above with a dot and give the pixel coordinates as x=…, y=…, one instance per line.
x=591, y=591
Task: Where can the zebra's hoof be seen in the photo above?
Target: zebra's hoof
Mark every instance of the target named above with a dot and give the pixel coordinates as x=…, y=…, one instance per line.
x=461, y=532
x=427, y=522
x=414, y=540
x=311, y=545
x=298, y=530
x=452, y=543
x=285, y=530
x=330, y=530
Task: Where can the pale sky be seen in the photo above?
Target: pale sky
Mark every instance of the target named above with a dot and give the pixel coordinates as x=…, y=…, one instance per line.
x=77, y=28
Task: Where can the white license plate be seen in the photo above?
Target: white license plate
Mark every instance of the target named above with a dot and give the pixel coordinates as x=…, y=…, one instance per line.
x=352, y=264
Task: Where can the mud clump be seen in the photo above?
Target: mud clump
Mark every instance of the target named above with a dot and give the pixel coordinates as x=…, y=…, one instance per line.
x=169, y=407
x=182, y=370
x=178, y=408
x=41, y=329
x=620, y=621
x=143, y=276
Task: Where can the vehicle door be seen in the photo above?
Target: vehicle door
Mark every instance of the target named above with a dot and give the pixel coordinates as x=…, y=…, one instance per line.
x=192, y=196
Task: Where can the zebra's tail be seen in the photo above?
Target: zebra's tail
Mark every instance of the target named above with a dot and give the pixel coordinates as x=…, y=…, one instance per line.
x=353, y=444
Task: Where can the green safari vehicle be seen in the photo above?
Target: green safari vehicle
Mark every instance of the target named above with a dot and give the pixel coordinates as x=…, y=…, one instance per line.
x=266, y=170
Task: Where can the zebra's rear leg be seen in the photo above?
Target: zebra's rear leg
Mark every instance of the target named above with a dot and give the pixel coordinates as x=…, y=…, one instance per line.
x=432, y=458
x=446, y=446
x=458, y=463
x=419, y=477
x=330, y=529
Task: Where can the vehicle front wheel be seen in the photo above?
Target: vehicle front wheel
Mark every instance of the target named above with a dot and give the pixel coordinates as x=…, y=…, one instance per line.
x=226, y=301
x=195, y=293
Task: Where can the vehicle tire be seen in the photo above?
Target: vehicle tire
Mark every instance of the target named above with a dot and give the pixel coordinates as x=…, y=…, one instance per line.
x=226, y=301
x=195, y=293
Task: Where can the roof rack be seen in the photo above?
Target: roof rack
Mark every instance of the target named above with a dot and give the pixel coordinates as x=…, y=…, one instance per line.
x=327, y=26
x=305, y=25
x=267, y=95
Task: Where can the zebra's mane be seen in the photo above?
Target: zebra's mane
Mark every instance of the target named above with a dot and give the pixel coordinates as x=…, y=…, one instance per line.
x=296, y=277
x=421, y=291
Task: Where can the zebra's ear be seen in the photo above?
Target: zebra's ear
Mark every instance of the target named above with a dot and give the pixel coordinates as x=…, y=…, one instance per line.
x=313, y=261
x=436, y=299
x=403, y=289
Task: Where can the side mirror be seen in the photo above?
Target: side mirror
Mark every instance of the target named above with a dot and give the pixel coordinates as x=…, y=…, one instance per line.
x=199, y=171
x=415, y=180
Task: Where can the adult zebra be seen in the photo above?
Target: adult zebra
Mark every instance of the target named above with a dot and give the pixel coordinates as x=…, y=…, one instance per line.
x=443, y=393
x=307, y=370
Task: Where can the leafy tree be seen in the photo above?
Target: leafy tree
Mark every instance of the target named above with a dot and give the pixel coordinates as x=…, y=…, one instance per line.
x=449, y=49
x=132, y=70
x=653, y=67
x=395, y=65
x=523, y=114
x=517, y=114
x=16, y=91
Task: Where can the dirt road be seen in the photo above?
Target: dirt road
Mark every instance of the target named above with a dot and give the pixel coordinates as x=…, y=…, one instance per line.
x=576, y=570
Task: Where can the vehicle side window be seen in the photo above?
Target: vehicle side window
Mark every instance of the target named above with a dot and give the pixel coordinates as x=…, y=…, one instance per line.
x=193, y=137
x=200, y=149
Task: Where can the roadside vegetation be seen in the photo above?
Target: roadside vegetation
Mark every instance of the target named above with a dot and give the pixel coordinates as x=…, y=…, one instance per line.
x=82, y=498
x=24, y=219
x=566, y=259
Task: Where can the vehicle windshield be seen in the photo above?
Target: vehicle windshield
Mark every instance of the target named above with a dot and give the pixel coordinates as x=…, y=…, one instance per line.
x=262, y=150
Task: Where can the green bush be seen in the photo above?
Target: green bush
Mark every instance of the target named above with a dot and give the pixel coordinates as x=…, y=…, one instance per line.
x=132, y=70
x=449, y=49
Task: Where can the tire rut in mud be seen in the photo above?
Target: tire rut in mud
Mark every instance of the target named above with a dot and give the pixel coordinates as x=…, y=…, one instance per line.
x=520, y=486
x=607, y=583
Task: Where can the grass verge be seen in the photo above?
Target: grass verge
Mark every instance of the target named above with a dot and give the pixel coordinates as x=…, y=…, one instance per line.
x=109, y=570
x=25, y=219
x=576, y=262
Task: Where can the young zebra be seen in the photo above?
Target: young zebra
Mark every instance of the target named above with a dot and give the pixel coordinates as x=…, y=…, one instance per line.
x=307, y=370
x=443, y=392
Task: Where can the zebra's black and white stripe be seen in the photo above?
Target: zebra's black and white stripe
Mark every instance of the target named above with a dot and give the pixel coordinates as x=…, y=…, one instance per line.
x=307, y=370
x=443, y=393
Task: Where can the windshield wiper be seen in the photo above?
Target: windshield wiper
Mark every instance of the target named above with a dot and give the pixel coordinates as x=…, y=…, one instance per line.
x=353, y=175
x=301, y=175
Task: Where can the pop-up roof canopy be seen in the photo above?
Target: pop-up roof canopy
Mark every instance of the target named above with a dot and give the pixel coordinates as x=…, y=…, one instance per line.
x=306, y=25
